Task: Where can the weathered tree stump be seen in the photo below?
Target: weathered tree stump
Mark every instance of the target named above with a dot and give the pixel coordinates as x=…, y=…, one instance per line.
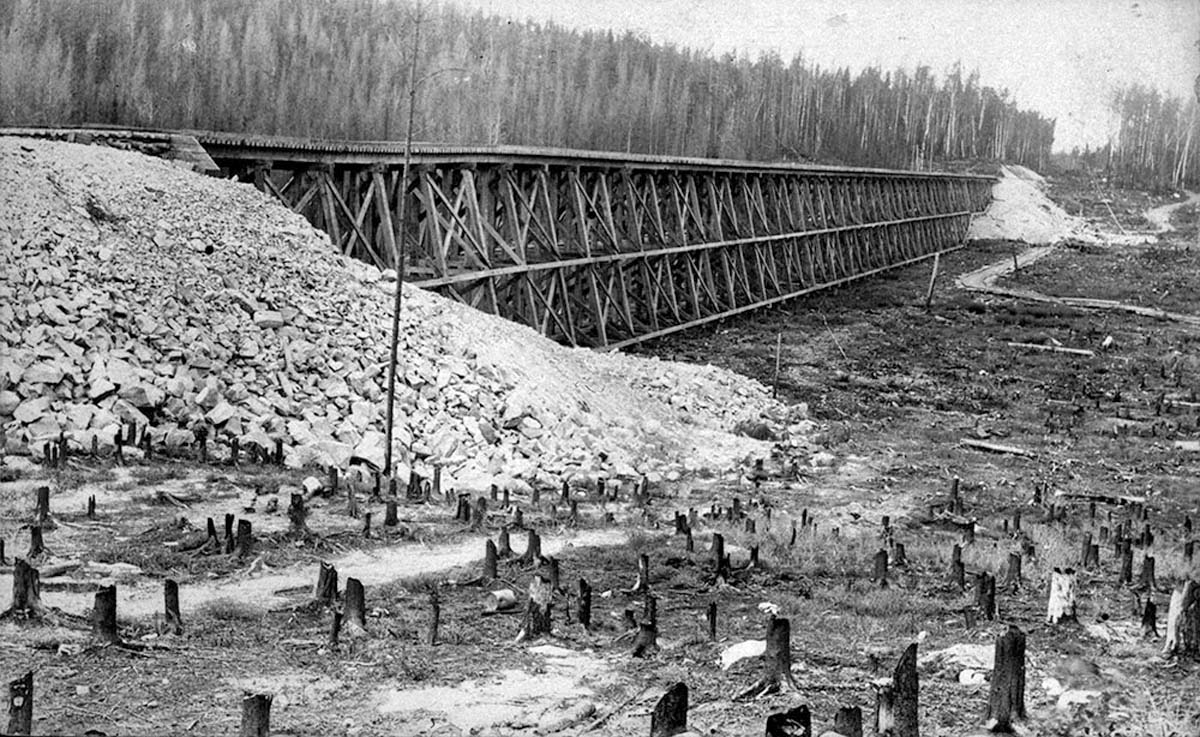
x=37, y=546
x=897, y=701
x=712, y=620
x=489, y=560
x=171, y=612
x=899, y=556
x=390, y=516
x=1125, y=549
x=41, y=507
x=566, y=491
x=503, y=544
x=642, y=584
x=720, y=559
x=879, y=569
x=20, y=705
x=537, y=621
x=629, y=620
x=355, y=608
x=1189, y=550
x=104, y=615
x=517, y=518
x=327, y=584
x=553, y=573
x=796, y=722
x=957, y=570
x=985, y=595
x=1086, y=550
x=435, y=615
x=1006, y=700
x=230, y=542
x=1150, y=620
x=573, y=515
x=584, y=614
x=1061, y=606
x=1183, y=621
x=848, y=721
x=479, y=514
x=533, y=550
x=3, y=559
x=968, y=532
x=91, y=507
x=234, y=452
x=245, y=538
x=669, y=717
x=689, y=544
x=1012, y=574
x=1146, y=578
x=297, y=516
x=256, y=715
x=1016, y=520
x=646, y=641
x=777, y=662
x=462, y=512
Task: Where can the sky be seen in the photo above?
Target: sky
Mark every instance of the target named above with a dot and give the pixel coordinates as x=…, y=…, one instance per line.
x=1064, y=58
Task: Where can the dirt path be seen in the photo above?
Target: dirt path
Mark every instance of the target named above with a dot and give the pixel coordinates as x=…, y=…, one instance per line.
x=143, y=598
x=1160, y=216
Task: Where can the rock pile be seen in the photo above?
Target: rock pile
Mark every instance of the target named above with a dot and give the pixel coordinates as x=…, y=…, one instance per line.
x=135, y=292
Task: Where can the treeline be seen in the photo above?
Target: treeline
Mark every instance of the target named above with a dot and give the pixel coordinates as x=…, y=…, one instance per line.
x=338, y=69
x=1154, y=145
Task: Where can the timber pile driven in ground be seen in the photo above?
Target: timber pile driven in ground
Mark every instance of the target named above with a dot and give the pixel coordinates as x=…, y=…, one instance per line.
x=600, y=249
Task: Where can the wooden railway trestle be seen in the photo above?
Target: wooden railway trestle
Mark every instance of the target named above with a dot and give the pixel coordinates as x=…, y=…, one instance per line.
x=605, y=249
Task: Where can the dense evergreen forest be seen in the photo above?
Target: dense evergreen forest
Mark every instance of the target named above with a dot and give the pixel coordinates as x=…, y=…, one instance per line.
x=1154, y=143
x=338, y=69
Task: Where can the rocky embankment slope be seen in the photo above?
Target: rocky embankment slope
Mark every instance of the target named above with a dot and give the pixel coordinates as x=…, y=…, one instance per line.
x=135, y=292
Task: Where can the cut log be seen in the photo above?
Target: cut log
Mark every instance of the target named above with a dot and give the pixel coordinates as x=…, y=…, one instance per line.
x=537, y=620
x=256, y=715
x=669, y=717
x=796, y=722
x=848, y=721
x=20, y=705
x=1183, y=621
x=1006, y=700
x=777, y=662
x=501, y=600
x=171, y=612
x=1054, y=349
x=1061, y=606
x=996, y=447
x=104, y=615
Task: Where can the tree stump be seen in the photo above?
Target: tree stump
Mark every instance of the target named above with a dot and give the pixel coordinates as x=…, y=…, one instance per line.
x=957, y=570
x=777, y=662
x=1061, y=606
x=1006, y=700
x=985, y=595
x=669, y=717
x=712, y=620
x=256, y=715
x=1183, y=621
x=435, y=615
x=3, y=559
x=1146, y=579
x=573, y=516
x=848, y=721
x=537, y=613
x=1086, y=550
x=897, y=705
x=553, y=572
x=479, y=514
x=642, y=584
x=171, y=612
x=104, y=615
x=489, y=560
x=230, y=542
x=20, y=705
x=245, y=538
x=503, y=545
x=1126, y=553
x=234, y=452
x=795, y=722
x=462, y=512
x=899, y=556
x=41, y=507
x=584, y=615
x=533, y=550
x=297, y=516
x=37, y=546
x=366, y=530
x=1150, y=620
x=646, y=641
x=327, y=584
x=689, y=545
x=355, y=608
x=390, y=516
x=880, y=568
x=720, y=560
x=1013, y=572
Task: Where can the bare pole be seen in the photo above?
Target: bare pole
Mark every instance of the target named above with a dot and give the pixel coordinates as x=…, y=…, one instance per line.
x=399, y=255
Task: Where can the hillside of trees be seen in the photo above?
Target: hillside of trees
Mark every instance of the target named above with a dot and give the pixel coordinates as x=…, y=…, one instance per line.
x=338, y=69
x=1154, y=145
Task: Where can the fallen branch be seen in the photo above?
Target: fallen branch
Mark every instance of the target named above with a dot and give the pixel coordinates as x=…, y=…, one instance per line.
x=1053, y=349
x=997, y=448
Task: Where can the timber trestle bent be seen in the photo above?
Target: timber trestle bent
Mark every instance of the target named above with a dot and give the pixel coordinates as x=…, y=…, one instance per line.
x=603, y=249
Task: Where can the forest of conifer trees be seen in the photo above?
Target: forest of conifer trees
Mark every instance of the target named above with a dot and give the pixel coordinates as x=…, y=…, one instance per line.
x=337, y=69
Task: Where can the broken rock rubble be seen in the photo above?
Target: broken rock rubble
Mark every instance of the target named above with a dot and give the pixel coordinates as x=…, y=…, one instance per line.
x=201, y=304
